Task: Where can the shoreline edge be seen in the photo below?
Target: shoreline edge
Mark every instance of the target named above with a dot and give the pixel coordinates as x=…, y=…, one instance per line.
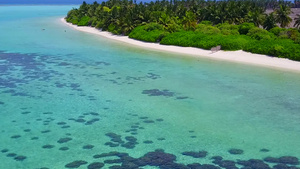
x=230, y=56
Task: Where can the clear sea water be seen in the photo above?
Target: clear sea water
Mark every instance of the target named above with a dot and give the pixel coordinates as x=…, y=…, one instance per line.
x=63, y=88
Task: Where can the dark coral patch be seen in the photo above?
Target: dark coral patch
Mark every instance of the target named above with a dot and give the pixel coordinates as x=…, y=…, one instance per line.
x=45, y=131
x=264, y=150
x=48, y=113
x=80, y=120
x=283, y=166
x=110, y=154
x=134, y=126
x=64, y=148
x=61, y=123
x=34, y=138
x=11, y=155
x=111, y=144
x=90, y=122
x=159, y=120
x=254, y=163
x=157, y=92
x=94, y=114
x=113, y=161
x=226, y=164
x=284, y=160
x=115, y=137
x=20, y=158
x=148, y=142
x=130, y=138
x=203, y=166
x=15, y=136
x=89, y=146
x=26, y=112
x=235, y=151
x=182, y=97
x=64, y=140
x=64, y=127
x=129, y=145
x=75, y=164
x=289, y=160
x=95, y=165
x=148, y=121
x=158, y=158
x=48, y=146
x=200, y=154
x=217, y=158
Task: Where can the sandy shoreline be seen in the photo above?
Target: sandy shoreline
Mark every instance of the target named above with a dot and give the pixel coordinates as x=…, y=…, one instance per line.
x=232, y=56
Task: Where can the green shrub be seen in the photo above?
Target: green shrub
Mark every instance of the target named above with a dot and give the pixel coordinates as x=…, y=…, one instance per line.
x=99, y=24
x=259, y=34
x=245, y=27
x=84, y=21
x=153, y=26
x=290, y=33
x=94, y=21
x=192, y=39
x=281, y=48
x=114, y=29
x=182, y=38
x=276, y=31
x=273, y=47
x=228, y=29
x=206, y=22
x=147, y=33
x=207, y=29
x=277, y=50
x=237, y=42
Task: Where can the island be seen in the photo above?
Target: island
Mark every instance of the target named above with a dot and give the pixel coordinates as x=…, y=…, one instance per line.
x=258, y=27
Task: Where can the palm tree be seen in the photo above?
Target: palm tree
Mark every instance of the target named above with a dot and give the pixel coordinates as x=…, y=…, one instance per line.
x=270, y=21
x=256, y=17
x=297, y=21
x=282, y=15
x=189, y=21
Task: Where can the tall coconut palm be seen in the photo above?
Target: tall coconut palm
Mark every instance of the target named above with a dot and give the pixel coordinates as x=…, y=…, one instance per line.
x=189, y=21
x=297, y=21
x=282, y=15
x=270, y=21
x=256, y=17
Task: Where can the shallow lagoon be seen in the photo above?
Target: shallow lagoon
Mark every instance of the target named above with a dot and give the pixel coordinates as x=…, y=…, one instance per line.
x=68, y=96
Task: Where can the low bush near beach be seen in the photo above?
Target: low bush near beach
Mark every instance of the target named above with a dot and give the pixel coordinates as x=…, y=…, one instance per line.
x=150, y=33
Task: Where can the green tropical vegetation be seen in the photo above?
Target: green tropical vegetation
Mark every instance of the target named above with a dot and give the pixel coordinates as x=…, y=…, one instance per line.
x=233, y=24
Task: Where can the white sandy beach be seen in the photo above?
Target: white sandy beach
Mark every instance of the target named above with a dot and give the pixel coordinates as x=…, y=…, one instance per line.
x=232, y=56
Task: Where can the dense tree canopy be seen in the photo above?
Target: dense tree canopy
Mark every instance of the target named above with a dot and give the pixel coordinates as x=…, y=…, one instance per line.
x=234, y=24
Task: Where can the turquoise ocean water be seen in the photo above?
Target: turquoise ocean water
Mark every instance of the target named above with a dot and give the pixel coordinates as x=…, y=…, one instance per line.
x=68, y=96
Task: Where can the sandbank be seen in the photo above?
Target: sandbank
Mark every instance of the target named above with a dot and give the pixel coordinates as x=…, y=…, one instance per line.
x=231, y=56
